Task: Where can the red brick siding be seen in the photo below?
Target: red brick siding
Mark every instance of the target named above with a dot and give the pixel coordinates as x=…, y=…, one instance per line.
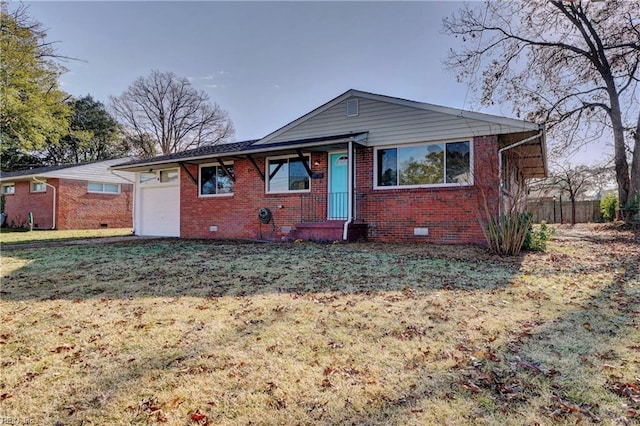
x=18, y=205
x=450, y=214
x=236, y=216
x=75, y=207
x=79, y=209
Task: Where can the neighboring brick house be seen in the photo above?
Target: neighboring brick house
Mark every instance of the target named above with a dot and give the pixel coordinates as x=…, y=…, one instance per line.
x=361, y=165
x=70, y=196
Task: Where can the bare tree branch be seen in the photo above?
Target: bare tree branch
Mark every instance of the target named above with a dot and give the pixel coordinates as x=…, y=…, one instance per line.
x=178, y=116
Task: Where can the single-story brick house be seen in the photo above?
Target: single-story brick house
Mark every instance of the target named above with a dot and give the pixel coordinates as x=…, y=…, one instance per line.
x=360, y=165
x=69, y=196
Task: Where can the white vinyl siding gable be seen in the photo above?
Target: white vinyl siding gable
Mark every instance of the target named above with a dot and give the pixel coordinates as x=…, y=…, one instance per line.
x=390, y=123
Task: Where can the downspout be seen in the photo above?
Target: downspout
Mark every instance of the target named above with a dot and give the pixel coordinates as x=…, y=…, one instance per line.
x=500, y=152
x=345, y=229
x=133, y=203
x=53, y=226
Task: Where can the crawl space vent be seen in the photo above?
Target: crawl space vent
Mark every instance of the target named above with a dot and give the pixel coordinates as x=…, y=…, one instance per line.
x=352, y=107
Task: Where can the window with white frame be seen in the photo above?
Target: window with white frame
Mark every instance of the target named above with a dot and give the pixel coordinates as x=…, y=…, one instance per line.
x=288, y=174
x=9, y=188
x=38, y=187
x=423, y=165
x=147, y=177
x=103, y=188
x=171, y=176
x=215, y=180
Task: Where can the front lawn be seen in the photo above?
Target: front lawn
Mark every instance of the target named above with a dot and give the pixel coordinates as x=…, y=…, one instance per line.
x=223, y=333
x=23, y=236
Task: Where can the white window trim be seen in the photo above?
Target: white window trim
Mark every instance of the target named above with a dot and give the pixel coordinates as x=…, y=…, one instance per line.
x=280, y=157
x=103, y=185
x=156, y=181
x=228, y=194
x=9, y=185
x=43, y=183
x=433, y=185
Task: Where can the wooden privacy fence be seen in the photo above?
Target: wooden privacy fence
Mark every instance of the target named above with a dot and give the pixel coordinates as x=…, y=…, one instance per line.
x=554, y=211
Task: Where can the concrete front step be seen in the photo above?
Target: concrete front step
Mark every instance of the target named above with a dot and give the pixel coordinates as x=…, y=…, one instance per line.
x=330, y=230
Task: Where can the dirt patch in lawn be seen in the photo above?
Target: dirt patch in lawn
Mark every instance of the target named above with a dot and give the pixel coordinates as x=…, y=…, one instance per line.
x=201, y=332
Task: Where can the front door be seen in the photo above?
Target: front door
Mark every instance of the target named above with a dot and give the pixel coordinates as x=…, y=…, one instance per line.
x=338, y=170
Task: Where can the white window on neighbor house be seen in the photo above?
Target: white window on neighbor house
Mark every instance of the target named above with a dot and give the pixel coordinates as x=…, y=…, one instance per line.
x=424, y=165
x=8, y=188
x=38, y=187
x=288, y=174
x=214, y=180
x=103, y=188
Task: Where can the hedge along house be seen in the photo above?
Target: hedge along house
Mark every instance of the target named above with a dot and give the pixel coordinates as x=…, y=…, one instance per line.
x=361, y=165
x=69, y=196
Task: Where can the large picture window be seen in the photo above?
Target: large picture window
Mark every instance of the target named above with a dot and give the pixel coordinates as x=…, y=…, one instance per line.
x=424, y=165
x=215, y=181
x=287, y=174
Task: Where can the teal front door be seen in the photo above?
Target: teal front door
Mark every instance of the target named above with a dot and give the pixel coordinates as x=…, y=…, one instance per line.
x=338, y=169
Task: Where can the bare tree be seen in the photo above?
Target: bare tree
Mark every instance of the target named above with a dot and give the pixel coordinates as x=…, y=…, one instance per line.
x=572, y=64
x=575, y=181
x=175, y=114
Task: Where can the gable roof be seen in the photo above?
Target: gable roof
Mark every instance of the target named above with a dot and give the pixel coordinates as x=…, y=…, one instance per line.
x=387, y=121
x=93, y=171
x=502, y=125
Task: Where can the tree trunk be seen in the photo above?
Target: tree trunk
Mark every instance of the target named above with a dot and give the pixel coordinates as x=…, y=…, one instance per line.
x=635, y=164
x=573, y=210
x=620, y=154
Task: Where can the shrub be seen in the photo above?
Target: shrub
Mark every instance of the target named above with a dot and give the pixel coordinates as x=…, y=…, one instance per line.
x=536, y=239
x=506, y=234
x=608, y=206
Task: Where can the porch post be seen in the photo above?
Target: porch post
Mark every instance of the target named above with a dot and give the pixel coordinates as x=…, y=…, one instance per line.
x=345, y=230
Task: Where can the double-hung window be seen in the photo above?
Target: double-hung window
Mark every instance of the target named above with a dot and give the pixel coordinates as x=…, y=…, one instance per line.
x=424, y=165
x=103, y=188
x=9, y=188
x=288, y=174
x=215, y=180
x=38, y=187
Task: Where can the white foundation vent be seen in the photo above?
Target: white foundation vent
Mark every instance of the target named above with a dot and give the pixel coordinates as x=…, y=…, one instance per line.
x=420, y=232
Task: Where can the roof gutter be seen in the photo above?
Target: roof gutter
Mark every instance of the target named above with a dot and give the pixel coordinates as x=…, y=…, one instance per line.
x=506, y=148
x=35, y=178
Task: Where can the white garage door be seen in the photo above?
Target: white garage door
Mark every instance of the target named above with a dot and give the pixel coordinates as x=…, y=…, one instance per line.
x=159, y=210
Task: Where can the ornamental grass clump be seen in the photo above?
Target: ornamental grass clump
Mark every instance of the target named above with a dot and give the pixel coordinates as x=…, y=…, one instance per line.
x=506, y=234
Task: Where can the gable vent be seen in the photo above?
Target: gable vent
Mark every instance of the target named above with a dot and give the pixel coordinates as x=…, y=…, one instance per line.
x=352, y=107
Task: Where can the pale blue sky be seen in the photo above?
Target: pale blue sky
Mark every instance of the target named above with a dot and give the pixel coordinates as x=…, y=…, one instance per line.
x=266, y=63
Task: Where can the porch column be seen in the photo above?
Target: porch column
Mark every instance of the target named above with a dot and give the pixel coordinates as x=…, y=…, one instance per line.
x=350, y=200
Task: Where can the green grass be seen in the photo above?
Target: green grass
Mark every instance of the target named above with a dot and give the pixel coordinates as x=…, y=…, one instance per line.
x=22, y=236
x=202, y=332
